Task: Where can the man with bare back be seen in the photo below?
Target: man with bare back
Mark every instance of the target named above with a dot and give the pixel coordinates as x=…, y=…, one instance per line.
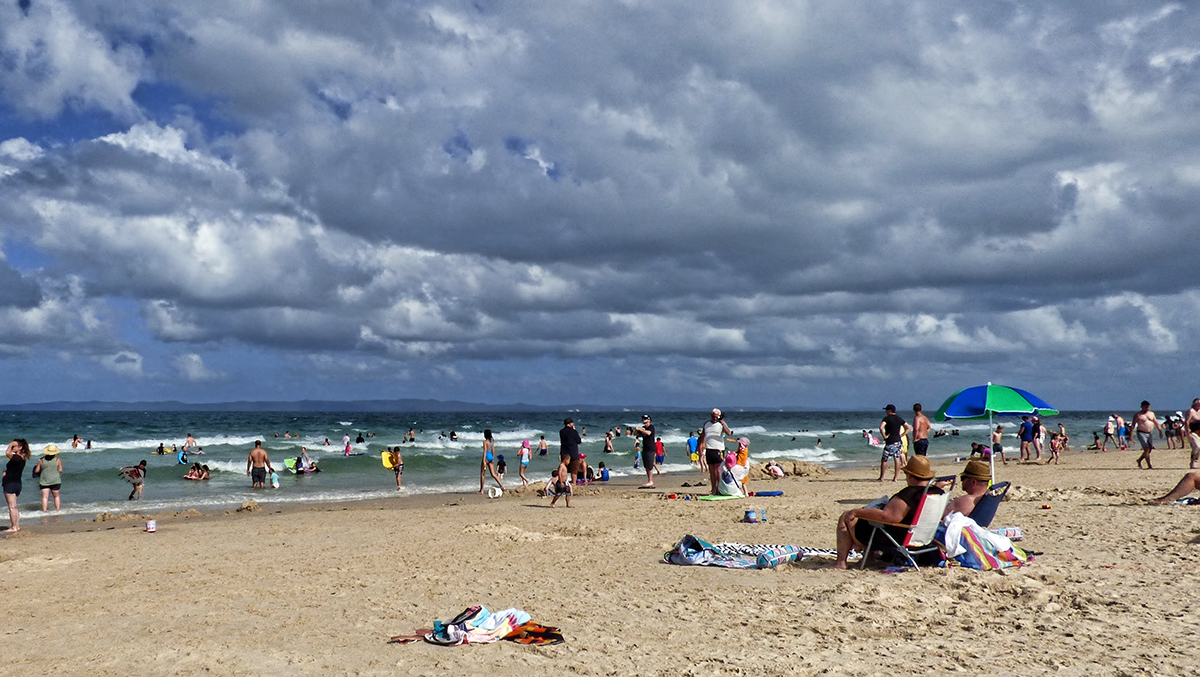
x=1191, y=423
x=258, y=465
x=920, y=432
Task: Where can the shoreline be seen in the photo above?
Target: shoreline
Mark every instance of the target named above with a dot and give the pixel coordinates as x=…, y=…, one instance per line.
x=69, y=523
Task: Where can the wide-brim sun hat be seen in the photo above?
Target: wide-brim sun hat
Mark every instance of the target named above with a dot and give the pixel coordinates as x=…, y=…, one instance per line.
x=50, y=449
x=918, y=467
x=977, y=470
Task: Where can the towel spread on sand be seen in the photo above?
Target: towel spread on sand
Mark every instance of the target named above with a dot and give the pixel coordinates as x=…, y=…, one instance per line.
x=693, y=551
x=476, y=625
x=974, y=547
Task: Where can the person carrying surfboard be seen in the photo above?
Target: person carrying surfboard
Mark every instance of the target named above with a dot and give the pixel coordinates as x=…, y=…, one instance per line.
x=395, y=462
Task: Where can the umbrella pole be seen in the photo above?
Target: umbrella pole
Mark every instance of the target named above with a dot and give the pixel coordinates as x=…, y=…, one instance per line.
x=991, y=454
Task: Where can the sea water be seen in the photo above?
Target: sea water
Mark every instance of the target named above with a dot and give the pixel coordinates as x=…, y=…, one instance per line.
x=433, y=464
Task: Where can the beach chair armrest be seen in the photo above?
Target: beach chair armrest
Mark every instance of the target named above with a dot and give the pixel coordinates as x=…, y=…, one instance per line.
x=888, y=524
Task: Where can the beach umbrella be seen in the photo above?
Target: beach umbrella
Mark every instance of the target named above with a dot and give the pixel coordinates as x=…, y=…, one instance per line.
x=990, y=400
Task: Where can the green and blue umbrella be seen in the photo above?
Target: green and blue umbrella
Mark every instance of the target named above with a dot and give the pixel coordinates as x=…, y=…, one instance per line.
x=990, y=400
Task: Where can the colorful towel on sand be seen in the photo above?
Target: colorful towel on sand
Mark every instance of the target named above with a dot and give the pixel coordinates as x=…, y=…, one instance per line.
x=475, y=625
x=974, y=547
x=693, y=551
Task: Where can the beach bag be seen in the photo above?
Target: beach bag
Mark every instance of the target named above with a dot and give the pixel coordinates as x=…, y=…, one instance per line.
x=729, y=486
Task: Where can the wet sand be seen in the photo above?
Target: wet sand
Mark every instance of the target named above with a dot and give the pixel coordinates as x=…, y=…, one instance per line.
x=317, y=590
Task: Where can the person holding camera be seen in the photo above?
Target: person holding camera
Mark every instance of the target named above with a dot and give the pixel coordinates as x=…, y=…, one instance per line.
x=712, y=441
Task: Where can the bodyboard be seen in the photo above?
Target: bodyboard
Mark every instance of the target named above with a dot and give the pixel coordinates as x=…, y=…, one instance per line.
x=131, y=474
x=720, y=497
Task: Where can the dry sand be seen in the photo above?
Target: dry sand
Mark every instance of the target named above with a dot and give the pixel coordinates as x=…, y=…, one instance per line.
x=318, y=591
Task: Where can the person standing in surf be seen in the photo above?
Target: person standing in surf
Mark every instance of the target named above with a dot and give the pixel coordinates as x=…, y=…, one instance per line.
x=49, y=473
x=258, y=464
x=488, y=465
x=18, y=453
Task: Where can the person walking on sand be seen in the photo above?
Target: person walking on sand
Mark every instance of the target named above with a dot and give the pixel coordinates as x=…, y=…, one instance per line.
x=562, y=483
x=1144, y=424
x=1191, y=424
x=712, y=445
x=18, y=453
x=645, y=433
x=1110, y=427
x=258, y=464
x=49, y=473
x=920, y=432
x=997, y=446
x=1025, y=433
x=892, y=429
x=488, y=464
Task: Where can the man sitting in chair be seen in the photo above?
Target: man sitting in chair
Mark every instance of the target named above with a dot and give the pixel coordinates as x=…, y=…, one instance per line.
x=975, y=478
x=852, y=527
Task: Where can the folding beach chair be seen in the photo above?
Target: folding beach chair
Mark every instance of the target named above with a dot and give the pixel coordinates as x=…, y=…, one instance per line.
x=985, y=509
x=918, y=538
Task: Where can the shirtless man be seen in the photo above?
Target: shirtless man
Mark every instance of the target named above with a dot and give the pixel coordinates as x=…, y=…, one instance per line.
x=920, y=432
x=258, y=465
x=1144, y=423
x=1122, y=433
x=1191, y=424
x=997, y=445
x=189, y=443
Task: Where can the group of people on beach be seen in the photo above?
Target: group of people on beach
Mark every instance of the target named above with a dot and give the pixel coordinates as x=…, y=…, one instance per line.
x=47, y=471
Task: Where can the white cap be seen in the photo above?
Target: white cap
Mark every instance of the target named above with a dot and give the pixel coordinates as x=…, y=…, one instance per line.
x=717, y=411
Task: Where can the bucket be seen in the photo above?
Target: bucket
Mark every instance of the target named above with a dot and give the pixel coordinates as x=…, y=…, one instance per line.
x=751, y=517
x=495, y=492
x=151, y=526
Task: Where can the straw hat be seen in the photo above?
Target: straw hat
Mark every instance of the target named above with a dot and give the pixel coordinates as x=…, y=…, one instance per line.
x=978, y=470
x=50, y=449
x=918, y=467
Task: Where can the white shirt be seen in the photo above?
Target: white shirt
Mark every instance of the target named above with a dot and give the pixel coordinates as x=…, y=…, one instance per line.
x=714, y=435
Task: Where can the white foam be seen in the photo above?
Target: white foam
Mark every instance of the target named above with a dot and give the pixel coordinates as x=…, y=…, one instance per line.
x=810, y=454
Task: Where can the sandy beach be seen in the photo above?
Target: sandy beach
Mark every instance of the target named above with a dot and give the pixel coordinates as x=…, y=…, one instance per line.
x=319, y=590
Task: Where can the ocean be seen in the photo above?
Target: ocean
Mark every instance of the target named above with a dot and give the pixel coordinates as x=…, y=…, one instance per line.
x=433, y=464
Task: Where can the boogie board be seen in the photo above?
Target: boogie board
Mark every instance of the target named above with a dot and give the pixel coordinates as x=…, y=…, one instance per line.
x=132, y=474
x=775, y=492
x=710, y=497
x=388, y=459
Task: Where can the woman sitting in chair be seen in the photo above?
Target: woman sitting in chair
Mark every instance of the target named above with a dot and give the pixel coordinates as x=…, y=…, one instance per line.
x=852, y=527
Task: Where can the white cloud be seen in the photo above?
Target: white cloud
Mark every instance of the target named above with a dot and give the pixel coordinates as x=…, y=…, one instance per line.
x=53, y=61
x=191, y=367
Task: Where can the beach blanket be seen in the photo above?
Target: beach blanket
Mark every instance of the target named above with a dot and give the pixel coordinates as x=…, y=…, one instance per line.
x=693, y=551
x=974, y=547
x=475, y=625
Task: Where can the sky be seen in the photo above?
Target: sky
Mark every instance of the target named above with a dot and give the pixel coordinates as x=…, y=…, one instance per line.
x=824, y=204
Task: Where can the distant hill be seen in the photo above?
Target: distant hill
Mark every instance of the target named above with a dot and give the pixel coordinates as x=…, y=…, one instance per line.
x=405, y=405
